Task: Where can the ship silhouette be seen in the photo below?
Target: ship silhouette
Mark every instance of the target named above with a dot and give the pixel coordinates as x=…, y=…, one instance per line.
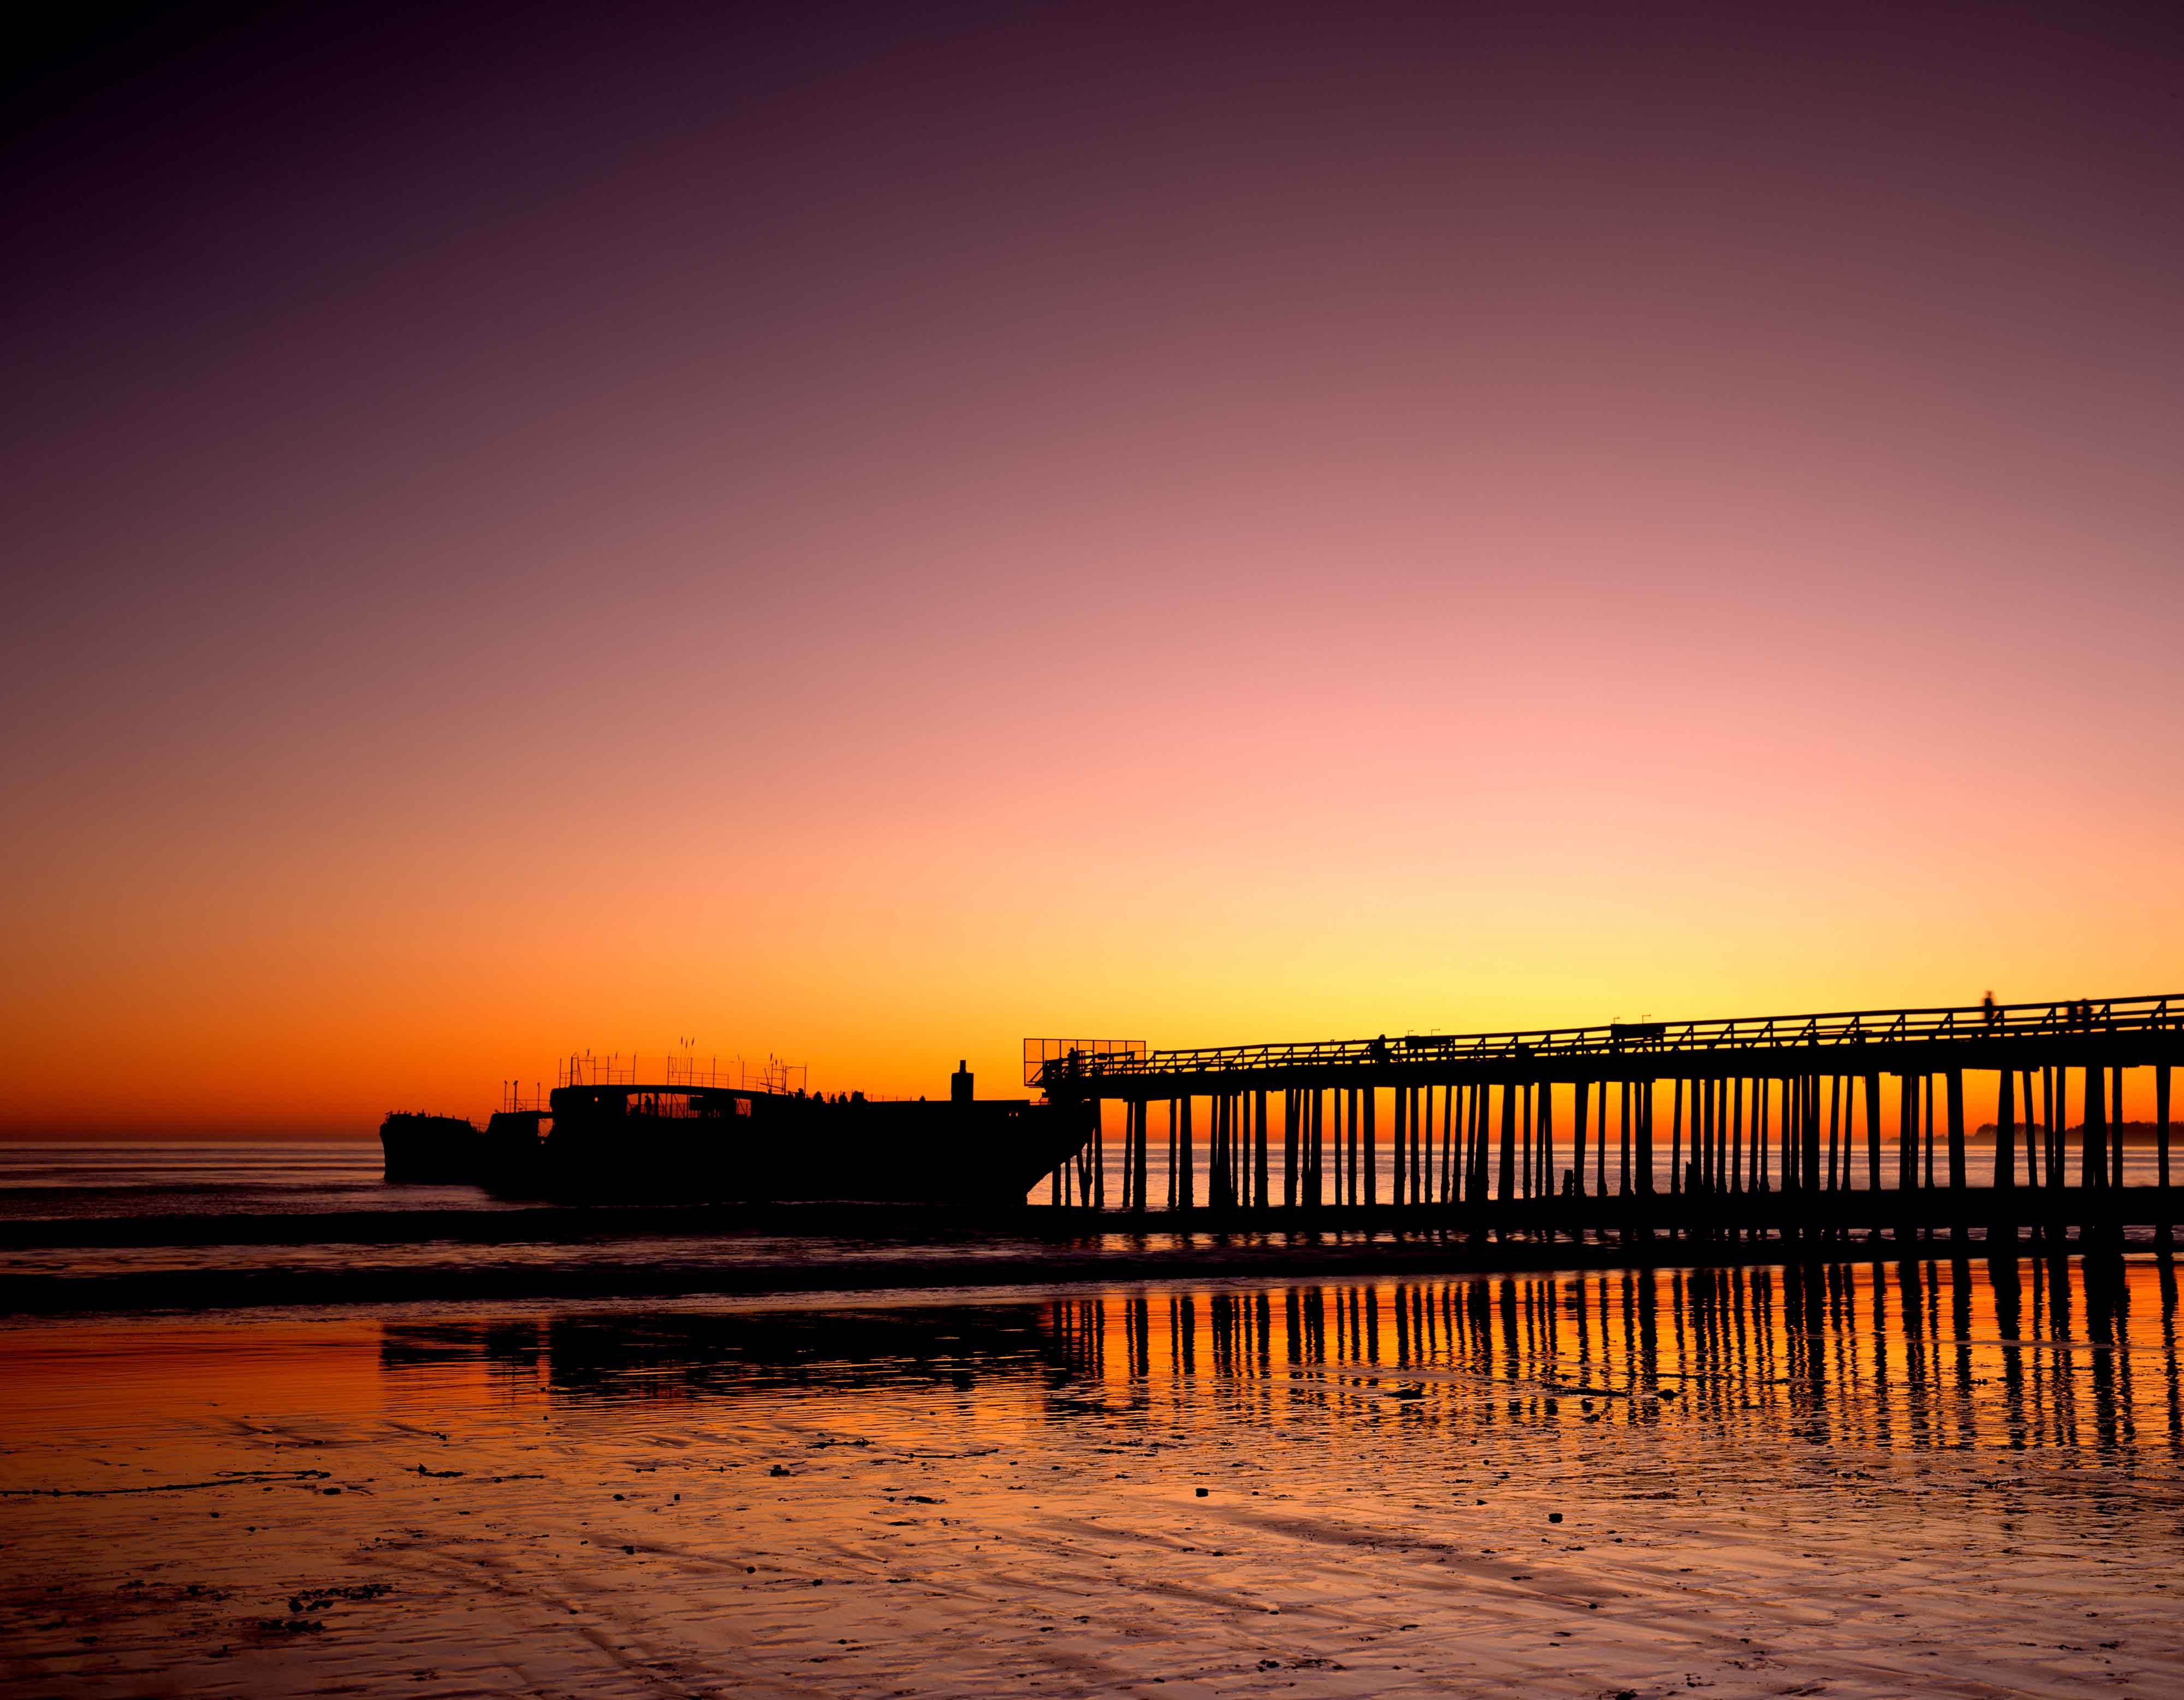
x=670, y=1141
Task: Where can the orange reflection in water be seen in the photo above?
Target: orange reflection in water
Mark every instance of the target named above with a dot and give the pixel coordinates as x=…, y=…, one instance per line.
x=1859, y=1476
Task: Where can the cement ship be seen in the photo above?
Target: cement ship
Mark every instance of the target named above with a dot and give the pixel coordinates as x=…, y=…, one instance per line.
x=676, y=1141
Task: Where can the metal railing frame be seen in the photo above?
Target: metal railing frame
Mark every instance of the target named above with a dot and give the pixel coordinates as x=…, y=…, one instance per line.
x=1609, y=1041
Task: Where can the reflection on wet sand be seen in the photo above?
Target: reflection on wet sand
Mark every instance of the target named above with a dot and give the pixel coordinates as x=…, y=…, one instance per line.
x=1950, y=1478
x=1843, y=1354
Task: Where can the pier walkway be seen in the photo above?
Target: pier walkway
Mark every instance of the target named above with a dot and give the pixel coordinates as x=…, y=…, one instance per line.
x=1777, y=1125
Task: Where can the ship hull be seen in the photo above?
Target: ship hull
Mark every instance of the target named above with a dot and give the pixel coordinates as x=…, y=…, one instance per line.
x=799, y=1149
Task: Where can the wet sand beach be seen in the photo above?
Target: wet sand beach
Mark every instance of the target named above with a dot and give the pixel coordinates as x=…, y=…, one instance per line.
x=1957, y=1479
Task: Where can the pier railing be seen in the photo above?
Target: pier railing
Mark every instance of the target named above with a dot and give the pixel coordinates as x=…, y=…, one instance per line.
x=1079, y=1056
x=1075, y=1064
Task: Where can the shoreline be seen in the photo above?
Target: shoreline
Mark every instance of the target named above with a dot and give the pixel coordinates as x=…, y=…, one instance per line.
x=1221, y=1258
x=1706, y=1215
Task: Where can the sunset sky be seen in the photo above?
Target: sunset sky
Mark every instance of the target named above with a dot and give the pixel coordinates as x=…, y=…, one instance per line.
x=871, y=534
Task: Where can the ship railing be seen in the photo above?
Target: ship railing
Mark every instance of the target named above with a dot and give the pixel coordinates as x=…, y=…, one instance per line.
x=732, y=1074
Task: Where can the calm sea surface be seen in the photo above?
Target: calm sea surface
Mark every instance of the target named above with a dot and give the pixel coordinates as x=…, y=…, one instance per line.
x=210, y=1178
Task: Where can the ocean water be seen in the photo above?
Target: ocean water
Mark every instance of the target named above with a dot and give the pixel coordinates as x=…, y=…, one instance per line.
x=182, y=1227
x=209, y=1177
x=1959, y=1478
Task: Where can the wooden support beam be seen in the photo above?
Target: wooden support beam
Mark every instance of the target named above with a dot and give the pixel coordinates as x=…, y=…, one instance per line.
x=1676, y=1139
x=1809, y=1132
x=2115, y=1126
x=1239, y=1149
x=1808, y=1159
x=1631, y=1163
x=1475, y=1181
x=1926, y=1124
x=1422, y=1144
x=1834, y=1131
x=1717, y=1096
x=1849, y=1172
x=1548, y=1186
x=1259, y=1152
x=1955, y=1079
x=1545, y=1124
x=1353, y=1121
x=2058, y=1126
x=1216, y=1166
x=1907, y=1132
x=2092, y=1134
x=1405, y=1186
x=1763, y=1104
x=1583, y=1093
x=1460, y=1155
x=1422, y=1147
x=1624, y=1181
x=1695, y=1165
x=1528, y=1170
x=1748, y=1162
x=1600, y=1148
x=2005, y=1133
x=1372, y=1147
x=2161, y=1123
x=1872, y=1132
x=1507, y=1188
x=1317, y=1168
x=1449, y=1134
x=1213, y=1105
x=1290, y=1148
x=1736, y=1089
x=1787, y=1138
x=2034, y=1150
x=1711, y=1119
x=1786, y=1134
x=1400, y=1169
x=1717, y=1135
x=1717, y=1117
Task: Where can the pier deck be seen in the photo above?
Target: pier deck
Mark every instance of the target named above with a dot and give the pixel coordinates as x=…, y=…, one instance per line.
x=1760, y=1116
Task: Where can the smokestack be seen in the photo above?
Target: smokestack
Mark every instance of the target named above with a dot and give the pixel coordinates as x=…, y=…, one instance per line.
x=959, y=1083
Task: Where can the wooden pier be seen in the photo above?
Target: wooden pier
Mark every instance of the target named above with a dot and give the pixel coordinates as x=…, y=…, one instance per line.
x=1812, y=1124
